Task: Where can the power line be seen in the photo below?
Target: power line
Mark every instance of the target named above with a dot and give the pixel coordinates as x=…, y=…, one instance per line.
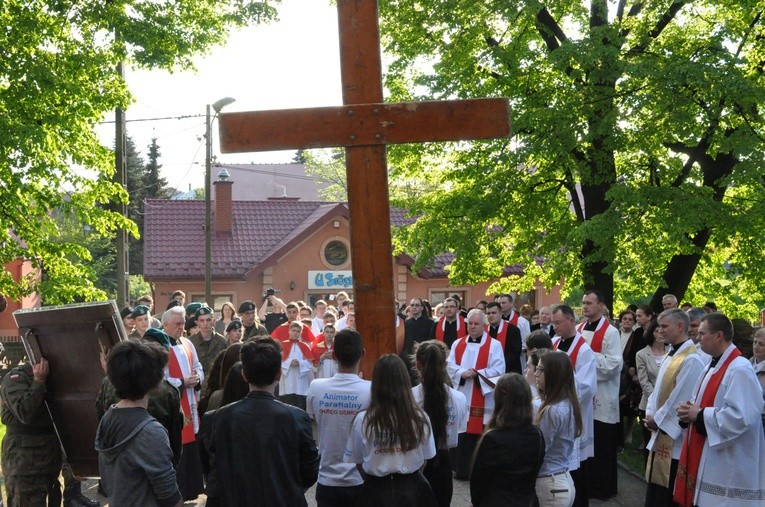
x=157, y=118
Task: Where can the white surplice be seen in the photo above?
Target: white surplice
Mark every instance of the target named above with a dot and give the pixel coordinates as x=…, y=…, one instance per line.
x=494, y=367
x=665, y=415
x=732, y=468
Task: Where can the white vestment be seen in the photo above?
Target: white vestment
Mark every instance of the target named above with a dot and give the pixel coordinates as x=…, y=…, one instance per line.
x=732, y=468
x=495, y=366
x=296, y=379
x=665, y=416
x=585, y=377
x=608, y=365
x=187, y=368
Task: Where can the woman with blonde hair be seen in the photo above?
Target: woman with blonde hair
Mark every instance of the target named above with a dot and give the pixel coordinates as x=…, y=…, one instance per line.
x=511, y=451
x=560, y=420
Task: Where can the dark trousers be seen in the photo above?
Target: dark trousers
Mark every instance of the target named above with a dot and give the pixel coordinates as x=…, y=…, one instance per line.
x=296, y=400
x=659, y=496
x=190, y=477
x=462, y=455
x=602, y=473
x=337, y=496
x=579, y=476
x=399, y=490
x=438, y=472
x=33, y=490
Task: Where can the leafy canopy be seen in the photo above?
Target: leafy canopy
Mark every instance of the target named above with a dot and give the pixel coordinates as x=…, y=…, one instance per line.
x=637, y=157
x=57, y=80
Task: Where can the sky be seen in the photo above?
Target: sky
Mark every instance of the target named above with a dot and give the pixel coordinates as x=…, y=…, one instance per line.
x=290, y=63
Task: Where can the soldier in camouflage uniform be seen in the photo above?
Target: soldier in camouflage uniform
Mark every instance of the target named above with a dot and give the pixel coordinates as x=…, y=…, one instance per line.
x=31, y=453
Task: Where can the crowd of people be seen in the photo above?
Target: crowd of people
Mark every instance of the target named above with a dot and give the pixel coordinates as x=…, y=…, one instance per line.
x=256, y=406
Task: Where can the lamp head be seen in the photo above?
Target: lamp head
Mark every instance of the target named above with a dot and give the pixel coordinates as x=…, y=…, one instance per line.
x=221, y=103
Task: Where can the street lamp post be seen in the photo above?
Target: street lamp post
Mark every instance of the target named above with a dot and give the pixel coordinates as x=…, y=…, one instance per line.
x=216, y=106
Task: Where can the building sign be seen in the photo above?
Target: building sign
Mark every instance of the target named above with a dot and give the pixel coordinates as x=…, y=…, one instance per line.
x=330, y=280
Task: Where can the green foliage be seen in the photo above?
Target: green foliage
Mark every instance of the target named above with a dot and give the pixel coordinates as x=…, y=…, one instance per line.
x=637, y=151
x=57, y=81
x=138, y=287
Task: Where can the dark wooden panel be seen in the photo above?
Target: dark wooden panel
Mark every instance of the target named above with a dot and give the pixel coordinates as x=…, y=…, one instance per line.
x=71, y=338
x=364, y=125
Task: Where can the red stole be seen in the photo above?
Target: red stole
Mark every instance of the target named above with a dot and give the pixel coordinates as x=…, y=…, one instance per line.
x=513, y=319
x=572, y=353
x=461, y=328
x=690, y=456
x=477, y=400
x=282, y=333
x=600, y=333
x=305, y=348
x=174, y=367
x=501, y=332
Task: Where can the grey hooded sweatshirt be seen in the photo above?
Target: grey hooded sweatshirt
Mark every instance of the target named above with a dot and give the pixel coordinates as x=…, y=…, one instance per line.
x=135, y=460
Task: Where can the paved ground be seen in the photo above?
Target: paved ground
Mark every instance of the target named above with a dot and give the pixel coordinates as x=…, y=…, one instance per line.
x=631, y=493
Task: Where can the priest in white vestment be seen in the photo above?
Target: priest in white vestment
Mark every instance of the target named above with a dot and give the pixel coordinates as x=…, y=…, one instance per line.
x=472, y=360
x=722, y=462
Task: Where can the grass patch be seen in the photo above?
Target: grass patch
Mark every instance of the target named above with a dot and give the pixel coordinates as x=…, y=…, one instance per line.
x=631, y=457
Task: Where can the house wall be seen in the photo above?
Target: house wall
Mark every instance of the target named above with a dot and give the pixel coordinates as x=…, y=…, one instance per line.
x=290, y=275
x=18, y=270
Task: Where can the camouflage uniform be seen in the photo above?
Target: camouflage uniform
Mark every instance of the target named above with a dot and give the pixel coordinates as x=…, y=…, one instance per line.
x=31, y=453
x=208, y=350
x=164, y=406
x=254, y=331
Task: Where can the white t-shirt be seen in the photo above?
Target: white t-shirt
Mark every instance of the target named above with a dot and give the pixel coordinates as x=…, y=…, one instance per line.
x=456, y=408
x=381, y=461
x=333, y=403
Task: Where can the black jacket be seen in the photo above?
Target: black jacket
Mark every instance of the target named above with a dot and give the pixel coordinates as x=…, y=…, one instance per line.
x=264, y=452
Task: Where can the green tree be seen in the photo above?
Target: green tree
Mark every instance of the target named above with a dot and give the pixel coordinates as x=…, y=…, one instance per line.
x=636, y=159
x=57, y=81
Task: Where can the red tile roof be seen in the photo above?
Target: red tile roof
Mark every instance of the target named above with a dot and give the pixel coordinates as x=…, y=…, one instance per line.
x=174, y=241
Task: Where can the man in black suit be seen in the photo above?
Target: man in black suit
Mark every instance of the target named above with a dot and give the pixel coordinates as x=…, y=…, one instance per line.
x=545, y=321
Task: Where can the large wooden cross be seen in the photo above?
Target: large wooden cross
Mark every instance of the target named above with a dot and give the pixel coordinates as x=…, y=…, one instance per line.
x=364, y=125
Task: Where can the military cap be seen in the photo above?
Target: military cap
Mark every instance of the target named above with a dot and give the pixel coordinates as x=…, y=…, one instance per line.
x=125, y=312
x=192, y=308
x=158, y=336
x=203, y=310
x=139, y=310
x=173, y=304
x=234, y=324
x=190, y=322
x=246, y=306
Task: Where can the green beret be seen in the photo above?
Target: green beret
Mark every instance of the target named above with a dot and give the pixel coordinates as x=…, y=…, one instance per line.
x=203, y=310
x=158, y=336
x=193, y=307
x=139, y=310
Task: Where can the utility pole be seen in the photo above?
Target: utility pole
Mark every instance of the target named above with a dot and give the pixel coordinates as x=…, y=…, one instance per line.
x=120, y=174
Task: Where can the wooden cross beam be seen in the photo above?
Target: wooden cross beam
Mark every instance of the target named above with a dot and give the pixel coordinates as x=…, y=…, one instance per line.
x=364, y=126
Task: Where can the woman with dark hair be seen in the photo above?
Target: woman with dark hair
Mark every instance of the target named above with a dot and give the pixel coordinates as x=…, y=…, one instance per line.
x=228, y=358
x=629, y=386
x=560, y=420
x=227, y=316
x=510, y=453
x=448, y=412
x=390, y=441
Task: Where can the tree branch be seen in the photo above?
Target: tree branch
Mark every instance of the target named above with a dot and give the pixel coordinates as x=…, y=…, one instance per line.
x=550, y=30
x=661, y=24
